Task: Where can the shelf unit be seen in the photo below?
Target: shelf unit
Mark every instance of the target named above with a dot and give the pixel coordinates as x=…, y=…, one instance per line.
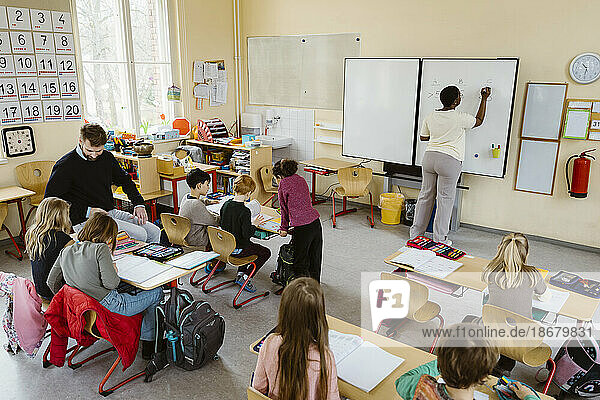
x=147, y=171
x=259, y=157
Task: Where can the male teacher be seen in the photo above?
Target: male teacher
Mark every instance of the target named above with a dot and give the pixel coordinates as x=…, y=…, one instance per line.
x=84, y=176
x=444, y=129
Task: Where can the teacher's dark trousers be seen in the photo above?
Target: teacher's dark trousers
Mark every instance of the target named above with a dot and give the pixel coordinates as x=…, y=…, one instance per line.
x=307, y=241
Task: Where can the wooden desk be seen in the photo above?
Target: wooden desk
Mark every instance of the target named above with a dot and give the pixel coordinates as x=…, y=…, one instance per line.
x=15, y=194
x=324, y=166
x=210, y=169
x=170, y=275
x=413, y=358
x=148, y=198
x=577, y=306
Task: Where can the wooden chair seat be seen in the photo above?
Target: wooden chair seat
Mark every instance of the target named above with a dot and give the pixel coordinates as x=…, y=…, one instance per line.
x=342, y=192
x=239, y=261
x=427, y=312
x=254, y=394
x=90, y=323
x=45, y=305
x=266, y=178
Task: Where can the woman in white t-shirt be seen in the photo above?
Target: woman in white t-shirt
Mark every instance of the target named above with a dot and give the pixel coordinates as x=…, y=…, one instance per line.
x=444, y=129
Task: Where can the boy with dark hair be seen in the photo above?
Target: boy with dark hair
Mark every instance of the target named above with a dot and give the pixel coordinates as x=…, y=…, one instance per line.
x=193, y=207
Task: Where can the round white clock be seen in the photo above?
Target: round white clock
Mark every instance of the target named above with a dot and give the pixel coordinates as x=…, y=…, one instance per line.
x=585, y=68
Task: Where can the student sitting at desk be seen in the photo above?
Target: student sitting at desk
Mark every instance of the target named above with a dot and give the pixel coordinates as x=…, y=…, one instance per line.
x=193, y=207
x=300, y=219
x=295, y=362
x=444, y=129
x=87, y=265
x=463, y=363
x=236, y=219
x=48, y=235
x=84, y=176
x=512, y=284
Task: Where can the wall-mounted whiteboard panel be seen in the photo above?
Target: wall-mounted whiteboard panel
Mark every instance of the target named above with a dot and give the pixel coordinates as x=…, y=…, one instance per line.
x=537, y=164
x=380, y=100
x=543, y=110
x=470, y=75
x=299, y=70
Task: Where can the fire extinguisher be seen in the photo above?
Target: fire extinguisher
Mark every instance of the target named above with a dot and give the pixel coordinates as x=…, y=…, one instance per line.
x=581, y=174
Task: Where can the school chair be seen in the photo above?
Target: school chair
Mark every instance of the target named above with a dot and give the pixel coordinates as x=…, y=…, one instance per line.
x=420, y=308
x=3, y=214
x=34, y=176
x=254, y=394
x=530, y=350
x=353, y=184
x=177, y=229
x=266, y=176
x=90, y=327
x=223, y=243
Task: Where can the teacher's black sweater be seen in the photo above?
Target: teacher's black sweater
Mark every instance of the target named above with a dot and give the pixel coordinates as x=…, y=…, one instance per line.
x=85, y=183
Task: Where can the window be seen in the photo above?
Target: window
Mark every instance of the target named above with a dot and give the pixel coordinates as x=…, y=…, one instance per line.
x=126, y=61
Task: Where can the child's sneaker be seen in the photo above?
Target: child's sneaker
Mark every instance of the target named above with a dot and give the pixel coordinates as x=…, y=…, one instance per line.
x=209, y=267
x=241, y=278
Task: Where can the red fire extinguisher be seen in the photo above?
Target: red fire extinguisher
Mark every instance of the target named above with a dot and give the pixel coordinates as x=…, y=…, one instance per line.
x=581, y=174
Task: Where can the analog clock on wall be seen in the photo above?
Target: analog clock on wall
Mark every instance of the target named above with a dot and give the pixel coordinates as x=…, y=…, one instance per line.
x=585, y=68
x=18, y=141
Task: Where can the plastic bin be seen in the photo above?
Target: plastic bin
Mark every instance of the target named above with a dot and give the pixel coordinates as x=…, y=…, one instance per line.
x=391, y=205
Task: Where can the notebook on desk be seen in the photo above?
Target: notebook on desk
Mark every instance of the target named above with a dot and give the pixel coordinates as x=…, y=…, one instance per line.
x=359, y=362
x=427, y=262
x=138, y=269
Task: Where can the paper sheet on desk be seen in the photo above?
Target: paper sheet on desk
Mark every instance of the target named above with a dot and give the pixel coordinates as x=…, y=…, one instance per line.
x=439, y=267
x=138, y=269
x=414, y=257
x=342, y=344
x=555, y=303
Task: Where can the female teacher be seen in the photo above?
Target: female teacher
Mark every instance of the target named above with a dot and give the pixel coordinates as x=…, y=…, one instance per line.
x=444, y=129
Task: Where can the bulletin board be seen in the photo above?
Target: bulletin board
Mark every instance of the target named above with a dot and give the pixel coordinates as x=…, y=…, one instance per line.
x=38, y=72
x=582, y=119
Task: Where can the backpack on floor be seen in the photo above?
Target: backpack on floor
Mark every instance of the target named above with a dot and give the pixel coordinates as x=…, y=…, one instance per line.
x=188, y=333
x=578, y=367
x=284, y=273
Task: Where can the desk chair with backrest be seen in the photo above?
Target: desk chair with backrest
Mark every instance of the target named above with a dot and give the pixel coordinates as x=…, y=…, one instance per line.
x=177, y=229
x=3, y=214
x=354, y=182
x=420, y=308
x=223, y=243
x=34, y=176
x=266, y=177
x=254, y=394
x=531, y=351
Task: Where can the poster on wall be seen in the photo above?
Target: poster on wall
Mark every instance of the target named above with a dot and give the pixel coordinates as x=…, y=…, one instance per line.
x=38, y=71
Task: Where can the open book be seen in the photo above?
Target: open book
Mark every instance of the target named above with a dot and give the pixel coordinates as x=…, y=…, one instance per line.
x=428, y=262
x=361, y=363
x=138, y=269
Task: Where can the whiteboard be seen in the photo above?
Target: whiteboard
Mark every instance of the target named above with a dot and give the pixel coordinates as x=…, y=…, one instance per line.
x=537, y=164
x=380, y=101
x=470, y=75
x=543, y=110
x=299, y=70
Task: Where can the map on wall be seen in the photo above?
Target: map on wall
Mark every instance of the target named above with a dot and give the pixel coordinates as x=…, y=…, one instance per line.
x=38, y=74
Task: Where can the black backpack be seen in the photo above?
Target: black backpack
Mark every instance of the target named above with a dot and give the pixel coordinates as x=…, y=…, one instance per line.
x=189, y=333
x=285, y=272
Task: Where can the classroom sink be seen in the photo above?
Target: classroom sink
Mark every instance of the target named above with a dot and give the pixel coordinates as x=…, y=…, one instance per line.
x=276, y=142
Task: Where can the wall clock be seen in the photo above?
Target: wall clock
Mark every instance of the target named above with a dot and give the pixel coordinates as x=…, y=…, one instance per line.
x=18, y=141
x=585, y=68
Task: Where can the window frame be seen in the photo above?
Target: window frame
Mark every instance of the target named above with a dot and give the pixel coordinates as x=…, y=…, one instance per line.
x=129, y=61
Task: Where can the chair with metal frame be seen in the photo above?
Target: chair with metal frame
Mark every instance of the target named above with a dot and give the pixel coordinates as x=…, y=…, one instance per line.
x=223, y=243
x=34, y=176
x=266, y=177
x=254, y=394
x=420, y=308
x=354, y=182
x=530, y=350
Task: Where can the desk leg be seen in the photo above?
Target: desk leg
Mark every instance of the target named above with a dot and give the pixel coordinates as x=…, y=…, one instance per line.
x=174, y=184
x=314, y=188
x=22, y=220
x=19, y=255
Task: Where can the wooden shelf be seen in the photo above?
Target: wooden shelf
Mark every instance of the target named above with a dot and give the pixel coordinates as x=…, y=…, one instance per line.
x=329, y=140
x=328, y=126
x=223, y=146
x=227, y=172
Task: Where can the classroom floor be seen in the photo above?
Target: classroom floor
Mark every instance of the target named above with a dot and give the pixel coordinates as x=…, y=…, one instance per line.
x=348, y=250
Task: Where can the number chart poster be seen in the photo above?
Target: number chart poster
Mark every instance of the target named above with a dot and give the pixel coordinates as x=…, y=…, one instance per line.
x=38, y=75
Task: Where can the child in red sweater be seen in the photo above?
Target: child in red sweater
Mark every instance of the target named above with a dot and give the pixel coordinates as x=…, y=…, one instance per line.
x=299, y=218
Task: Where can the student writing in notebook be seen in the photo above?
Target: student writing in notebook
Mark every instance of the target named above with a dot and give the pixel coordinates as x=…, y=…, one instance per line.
x=193, y=207
x=512, y=284
x=444, y=130
x=44, y=240
x=236, y=219
x=87, y=265
x=295, y=361
x=299, y=218
x=463, y=363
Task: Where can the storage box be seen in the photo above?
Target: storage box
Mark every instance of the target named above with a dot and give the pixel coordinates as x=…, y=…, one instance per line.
x=166, y=167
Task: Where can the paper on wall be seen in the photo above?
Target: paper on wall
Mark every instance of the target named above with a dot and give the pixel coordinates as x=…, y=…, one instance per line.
x=596, y=107
x=198, y=75
x=201, y=91
x=210, y=70
x=221, y=95
x=222, y=75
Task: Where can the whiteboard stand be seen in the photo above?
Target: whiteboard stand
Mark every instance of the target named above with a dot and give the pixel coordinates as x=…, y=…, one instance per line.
x=414, y=182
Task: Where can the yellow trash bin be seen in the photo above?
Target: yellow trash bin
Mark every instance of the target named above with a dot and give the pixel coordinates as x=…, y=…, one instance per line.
x=391, y=205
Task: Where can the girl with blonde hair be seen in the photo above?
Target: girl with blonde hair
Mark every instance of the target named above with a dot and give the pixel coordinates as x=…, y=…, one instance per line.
x=295, y=363
x=512, y=283
x=44, y=240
